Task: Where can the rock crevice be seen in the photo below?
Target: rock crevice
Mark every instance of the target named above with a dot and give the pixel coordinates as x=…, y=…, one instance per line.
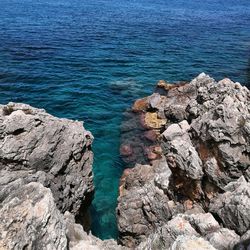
x=46, y=180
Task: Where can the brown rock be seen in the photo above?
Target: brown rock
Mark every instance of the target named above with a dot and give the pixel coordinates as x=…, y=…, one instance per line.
x=165, y=85
x=126, y=150
x=188, y=204
x=153, y=152
x=140, y=105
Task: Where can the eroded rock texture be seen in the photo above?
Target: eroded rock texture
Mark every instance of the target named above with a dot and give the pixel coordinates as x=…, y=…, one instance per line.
x=80, y=240
x=45, y=170
x=30, y=220
x=38, y=147
x=193, y=141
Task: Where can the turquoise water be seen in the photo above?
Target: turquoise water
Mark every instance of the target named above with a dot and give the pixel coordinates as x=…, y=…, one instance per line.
x=89, y=60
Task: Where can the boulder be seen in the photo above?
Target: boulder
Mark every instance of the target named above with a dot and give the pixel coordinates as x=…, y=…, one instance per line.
x=142, y=206
x=45, y=170
x=39, y=147
x=232, y=207
x=30, y=219
x=190, y=243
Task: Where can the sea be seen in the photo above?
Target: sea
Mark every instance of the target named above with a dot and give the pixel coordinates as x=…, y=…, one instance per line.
x=89, y=60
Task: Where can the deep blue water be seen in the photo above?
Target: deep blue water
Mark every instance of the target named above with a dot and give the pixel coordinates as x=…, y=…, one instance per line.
x=88, y=60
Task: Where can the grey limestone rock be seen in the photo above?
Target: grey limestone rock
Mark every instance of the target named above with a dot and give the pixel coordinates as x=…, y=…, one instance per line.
x=205, y=144
x=190, y=243
x=142, y=206
x=223, y=239
x=30, y=219
x=36, y=146
x=180, y=152
x=45, y=170
x=232, y=207
x=79, y=239
x=201, y=225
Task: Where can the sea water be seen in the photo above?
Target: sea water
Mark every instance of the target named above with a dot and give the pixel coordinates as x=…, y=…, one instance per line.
x=90, y=59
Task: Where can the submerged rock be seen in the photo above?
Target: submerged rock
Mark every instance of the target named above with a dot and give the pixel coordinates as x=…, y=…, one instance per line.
x=204, y=149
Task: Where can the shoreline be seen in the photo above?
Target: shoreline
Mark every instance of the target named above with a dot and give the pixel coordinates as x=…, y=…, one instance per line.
x=188, y=145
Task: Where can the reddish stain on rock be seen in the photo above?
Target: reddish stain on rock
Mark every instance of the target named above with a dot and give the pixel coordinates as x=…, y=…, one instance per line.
x=153, y=152
x=122, y=183
x=140, y=105
x=151, y=135
x=126, y=150
x=142, y=121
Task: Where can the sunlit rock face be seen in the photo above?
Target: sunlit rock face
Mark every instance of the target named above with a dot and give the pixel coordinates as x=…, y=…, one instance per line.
x=36, y=146
x=45, y=170
x=191, y=141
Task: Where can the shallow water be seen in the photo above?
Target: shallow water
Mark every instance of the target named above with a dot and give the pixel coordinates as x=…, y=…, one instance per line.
x=88, y=60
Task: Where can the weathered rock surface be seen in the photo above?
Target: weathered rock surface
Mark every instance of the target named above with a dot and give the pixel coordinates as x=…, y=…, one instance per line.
x=200, y=228
x=38, y=147
x=138, y=214
x=232, y=207
x=203, y=130
x=45, y=170
x=79, y=239
x=30, y=219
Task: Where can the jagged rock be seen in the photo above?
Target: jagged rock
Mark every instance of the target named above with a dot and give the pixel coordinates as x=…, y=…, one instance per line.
x=166, y=235
x=204, y=223
x=56, y=152
x=232, y=207
x=139, y=215
x=205, y=141
x=142, y=206
x=223, y=239
x=79, y=239
x=180, y=152
x=190, y=243
x=244, y=242
x=30, y=219
x=45, y=170
x=189, y=226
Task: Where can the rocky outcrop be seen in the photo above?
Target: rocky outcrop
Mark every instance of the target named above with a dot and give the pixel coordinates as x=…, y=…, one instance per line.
x=201, y=132
x=45, y=171
x=197, y=228
x=30, y=220
x=154, y=211
x=38, y=147
x=79, y=239
x=232, y=207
